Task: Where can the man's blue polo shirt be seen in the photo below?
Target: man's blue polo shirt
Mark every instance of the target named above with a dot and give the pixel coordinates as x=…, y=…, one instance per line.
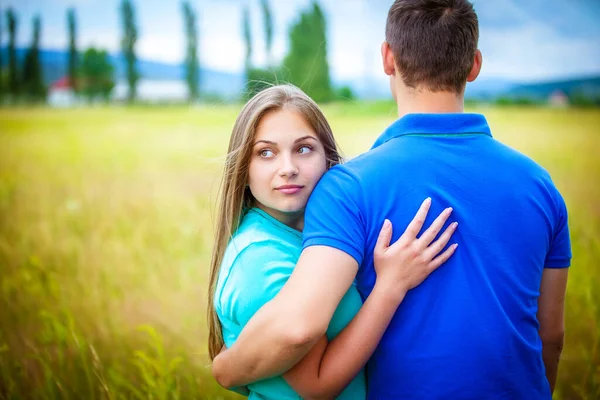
x=469, y=331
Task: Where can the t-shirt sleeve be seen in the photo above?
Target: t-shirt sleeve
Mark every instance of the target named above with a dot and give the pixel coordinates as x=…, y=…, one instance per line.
x=257, y=275
x=559, y=254
x=333, y=214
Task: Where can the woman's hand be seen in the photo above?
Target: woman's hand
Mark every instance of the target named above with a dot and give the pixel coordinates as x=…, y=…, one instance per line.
x=406, y=263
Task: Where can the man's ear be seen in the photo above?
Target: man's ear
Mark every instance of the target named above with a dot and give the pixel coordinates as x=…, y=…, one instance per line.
x=389, y=64
x=476, y=68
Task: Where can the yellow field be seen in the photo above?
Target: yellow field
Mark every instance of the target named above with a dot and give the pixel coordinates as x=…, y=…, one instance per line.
x=106, y=220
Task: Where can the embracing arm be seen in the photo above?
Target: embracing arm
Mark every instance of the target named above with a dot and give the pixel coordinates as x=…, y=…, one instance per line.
x=283, y=331
x=329, y=368
x=551, y=307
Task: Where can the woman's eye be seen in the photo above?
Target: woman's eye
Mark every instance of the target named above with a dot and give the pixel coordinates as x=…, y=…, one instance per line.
x=266, y=153
x=304, y=150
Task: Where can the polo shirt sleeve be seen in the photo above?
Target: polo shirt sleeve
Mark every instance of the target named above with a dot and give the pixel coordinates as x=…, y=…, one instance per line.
x=334, y=214
x=559, y=255
x=258, y=273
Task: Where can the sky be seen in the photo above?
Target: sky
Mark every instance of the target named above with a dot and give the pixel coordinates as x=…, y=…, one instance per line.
x=521, y=40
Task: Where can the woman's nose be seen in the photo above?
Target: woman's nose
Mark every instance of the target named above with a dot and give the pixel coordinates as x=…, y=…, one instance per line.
x=288, y=166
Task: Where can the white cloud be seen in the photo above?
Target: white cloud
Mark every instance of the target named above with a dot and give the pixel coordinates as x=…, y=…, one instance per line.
x=221, y=45
x=226, y=53
x=536, y=52
x=161, y=47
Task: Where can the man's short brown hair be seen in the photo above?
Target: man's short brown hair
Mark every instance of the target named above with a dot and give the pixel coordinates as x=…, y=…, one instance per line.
x=433, y=42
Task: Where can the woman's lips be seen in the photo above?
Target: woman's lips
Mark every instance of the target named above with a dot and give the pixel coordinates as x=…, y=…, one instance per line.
x=289, y=189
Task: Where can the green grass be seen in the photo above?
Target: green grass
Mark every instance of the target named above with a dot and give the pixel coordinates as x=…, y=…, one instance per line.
x=106, y=221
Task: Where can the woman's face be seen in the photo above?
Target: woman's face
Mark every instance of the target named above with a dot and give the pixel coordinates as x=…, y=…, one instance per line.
x=287, y=161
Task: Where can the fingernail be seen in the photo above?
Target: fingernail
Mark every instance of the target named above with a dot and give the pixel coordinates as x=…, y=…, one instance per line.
x=455, y=245
x=448, y=210
x=454, y=225
x=427, y=200
x=386, y=223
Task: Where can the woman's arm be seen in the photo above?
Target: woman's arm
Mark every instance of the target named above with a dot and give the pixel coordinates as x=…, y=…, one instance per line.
x=329, y=367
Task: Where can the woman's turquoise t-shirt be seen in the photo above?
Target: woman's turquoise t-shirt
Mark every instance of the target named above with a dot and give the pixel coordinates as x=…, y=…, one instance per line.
x=258, y=261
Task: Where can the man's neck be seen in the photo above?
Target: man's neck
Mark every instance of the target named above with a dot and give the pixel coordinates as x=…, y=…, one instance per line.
x=421, y=101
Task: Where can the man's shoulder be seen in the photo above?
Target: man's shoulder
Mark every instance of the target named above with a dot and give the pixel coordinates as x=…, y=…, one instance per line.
x=358, y=167
x=523, y=162
x=527, y=175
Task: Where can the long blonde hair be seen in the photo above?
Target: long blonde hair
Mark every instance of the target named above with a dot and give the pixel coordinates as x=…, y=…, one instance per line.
x=234, y=196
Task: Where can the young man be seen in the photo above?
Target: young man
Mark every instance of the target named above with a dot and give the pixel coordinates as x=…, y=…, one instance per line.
x=487, y=325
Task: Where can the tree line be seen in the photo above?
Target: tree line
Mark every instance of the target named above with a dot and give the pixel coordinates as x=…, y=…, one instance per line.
x=91, y=73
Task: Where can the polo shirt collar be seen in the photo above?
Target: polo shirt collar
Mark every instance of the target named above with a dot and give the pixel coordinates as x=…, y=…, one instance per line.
x=435, y=124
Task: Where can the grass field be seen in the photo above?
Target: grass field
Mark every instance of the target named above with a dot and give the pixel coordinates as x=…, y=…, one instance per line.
x=106, y=221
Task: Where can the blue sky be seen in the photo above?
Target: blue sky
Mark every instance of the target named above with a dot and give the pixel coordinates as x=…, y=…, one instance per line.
x=521, y=40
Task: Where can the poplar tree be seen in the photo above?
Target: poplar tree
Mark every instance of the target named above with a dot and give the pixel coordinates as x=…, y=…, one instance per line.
x=73, y=56
x=13, y=78
x=33, y=82
x=268, y=25
x=191, y=59
x=128, y=41
x=247, y=40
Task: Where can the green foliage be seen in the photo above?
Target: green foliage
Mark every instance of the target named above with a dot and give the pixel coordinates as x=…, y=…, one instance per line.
x=518, y=101
x=73, y=56
x=247, y=41
x=157, y=371
x=345, y=93
x=259, y=79
x=268, y=24
x=191, y=59
x=581, y=99
x=128, y=41
x=33, y=82
x=306, y=64
x=97, y=74
x=13, y=73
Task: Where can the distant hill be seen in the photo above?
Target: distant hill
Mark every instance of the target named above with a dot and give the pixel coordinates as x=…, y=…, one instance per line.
x=588, y=87
x=230, y=85
x=487, y=88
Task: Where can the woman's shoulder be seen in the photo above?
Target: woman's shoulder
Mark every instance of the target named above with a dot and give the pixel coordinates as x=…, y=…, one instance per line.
x=252, y=274
x=254, y=251
x=254, y=234
x=251, y=251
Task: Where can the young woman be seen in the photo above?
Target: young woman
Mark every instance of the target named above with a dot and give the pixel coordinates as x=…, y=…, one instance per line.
x=280, y=147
